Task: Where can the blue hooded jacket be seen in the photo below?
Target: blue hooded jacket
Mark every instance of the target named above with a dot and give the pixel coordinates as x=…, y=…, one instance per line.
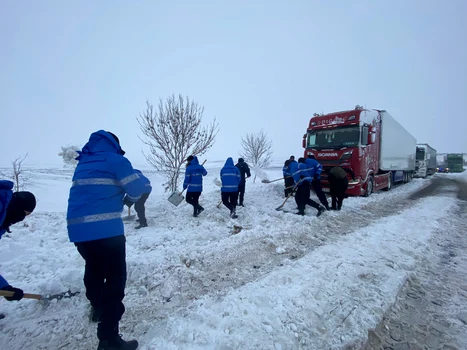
x=230, y=176
x=194, y=176
x=147, y=183
x=286, y=169
x=101, y=179
x=293, y=167
x=303, y=172
x=6, y=193
x=315, y=165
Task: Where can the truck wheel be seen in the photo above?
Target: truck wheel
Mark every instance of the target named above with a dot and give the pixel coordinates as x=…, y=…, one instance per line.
x=389, y=184
x=369, y=187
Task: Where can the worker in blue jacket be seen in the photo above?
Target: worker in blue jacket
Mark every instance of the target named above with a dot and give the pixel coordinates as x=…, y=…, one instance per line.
x=193, y=183
x=139, y=205
x=304, y=177
x=288, y=178
x=14, y=207
x=231, y=178
x=312, y=163
x=101, y=179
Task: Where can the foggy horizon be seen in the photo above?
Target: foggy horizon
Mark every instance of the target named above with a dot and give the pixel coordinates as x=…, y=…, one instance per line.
x=69, y=69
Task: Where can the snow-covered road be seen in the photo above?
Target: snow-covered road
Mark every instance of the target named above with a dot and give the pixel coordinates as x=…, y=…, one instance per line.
x=283, y=282
x=431, y=308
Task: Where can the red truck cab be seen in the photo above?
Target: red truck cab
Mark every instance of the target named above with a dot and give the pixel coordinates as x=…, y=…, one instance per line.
x=351, y=140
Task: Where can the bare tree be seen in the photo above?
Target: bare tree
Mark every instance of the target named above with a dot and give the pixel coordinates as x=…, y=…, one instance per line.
x=69, y=153
x=173, y=132
x=257, y=150
x=19, y=178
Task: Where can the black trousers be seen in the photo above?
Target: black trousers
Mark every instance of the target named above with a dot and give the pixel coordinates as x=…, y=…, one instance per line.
x=193, y=199
x=105, y=279
x=140, y=209
x=229, y=199
x=316, y=184
x=288, y=184
x=302, y=197
x=337, y=190
x=241, y=191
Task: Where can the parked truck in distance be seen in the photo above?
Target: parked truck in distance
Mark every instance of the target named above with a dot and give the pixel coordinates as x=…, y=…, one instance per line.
x=425, y=160
x=374, y=149
x=455, y=162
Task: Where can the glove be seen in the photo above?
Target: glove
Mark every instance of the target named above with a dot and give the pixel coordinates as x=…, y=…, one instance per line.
x=18, y=293
x=127, y=202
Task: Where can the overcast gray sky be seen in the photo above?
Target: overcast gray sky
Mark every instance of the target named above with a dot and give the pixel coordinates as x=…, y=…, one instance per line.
x=70, y=68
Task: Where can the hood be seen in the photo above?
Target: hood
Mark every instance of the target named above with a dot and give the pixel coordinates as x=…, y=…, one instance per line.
x=194, y=161
x=6, y=185
x=229, y=162
x=100, y=141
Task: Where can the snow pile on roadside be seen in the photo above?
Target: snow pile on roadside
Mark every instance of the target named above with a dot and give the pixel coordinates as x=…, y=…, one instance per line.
x=324, y=300
x=161, y=288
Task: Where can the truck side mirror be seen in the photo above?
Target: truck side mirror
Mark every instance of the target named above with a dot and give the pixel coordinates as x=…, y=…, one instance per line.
x=372, y=135
x=365, y=136
x=304, y=141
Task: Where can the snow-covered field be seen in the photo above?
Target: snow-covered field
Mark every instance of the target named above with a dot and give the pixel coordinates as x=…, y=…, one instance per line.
x=283, y=282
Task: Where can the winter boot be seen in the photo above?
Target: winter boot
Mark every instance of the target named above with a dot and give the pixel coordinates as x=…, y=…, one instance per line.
x=200, y=209
x=96, y=314
x=117, y=343
x=233, y=214
x=321, y=210
x=2, y=316
x=301, y=212
x=141, y=226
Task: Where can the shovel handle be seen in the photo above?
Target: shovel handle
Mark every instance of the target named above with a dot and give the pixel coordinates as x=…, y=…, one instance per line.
x=6, y=293
x=290, y=194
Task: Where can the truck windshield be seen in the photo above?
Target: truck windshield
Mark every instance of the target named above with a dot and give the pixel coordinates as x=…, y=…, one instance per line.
x=334, y=138
x=420, y=154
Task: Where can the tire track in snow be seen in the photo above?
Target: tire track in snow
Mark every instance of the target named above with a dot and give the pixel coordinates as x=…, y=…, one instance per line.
x=255, y=254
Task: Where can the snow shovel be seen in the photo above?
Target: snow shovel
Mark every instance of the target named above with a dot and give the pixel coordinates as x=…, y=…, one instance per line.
x=129, y=216
x=48, y=297
x=290, y=195
x=266, y=181
x=176, y=198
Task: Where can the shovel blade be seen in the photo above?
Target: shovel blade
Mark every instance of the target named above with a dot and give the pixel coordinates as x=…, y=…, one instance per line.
x=175, y=198
x=128, y=217
x=59, y=296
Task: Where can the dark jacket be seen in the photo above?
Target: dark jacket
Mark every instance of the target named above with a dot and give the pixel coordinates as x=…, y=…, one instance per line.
x=230, y=176
x=194, y=176
x=244, y=170
x=6, y=193
x=101, y=179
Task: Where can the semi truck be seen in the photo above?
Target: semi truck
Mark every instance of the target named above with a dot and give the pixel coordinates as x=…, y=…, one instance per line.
x=425, y=160
x=455, y=162
x=374, y=149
